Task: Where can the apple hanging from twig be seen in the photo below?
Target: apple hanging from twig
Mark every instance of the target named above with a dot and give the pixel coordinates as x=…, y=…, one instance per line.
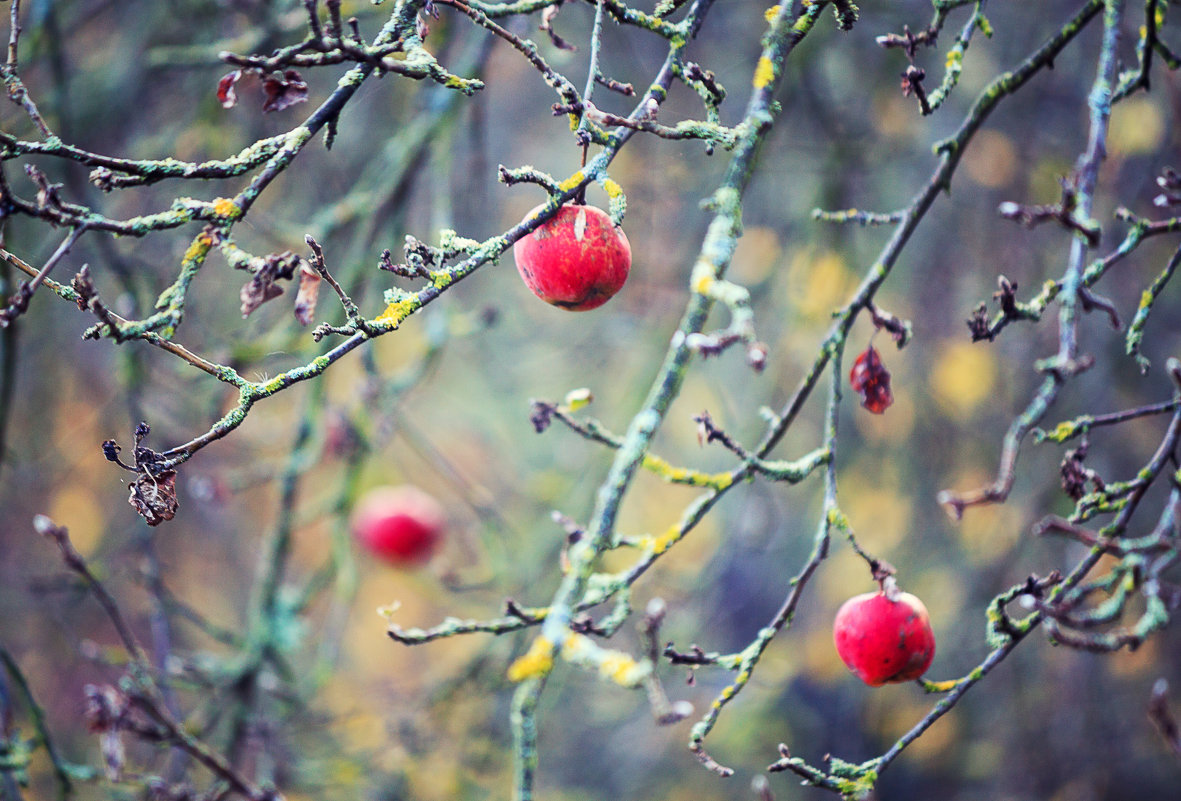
x=884, y=637
x=577, y=260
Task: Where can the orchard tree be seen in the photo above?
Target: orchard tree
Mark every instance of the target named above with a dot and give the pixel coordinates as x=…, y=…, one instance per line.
x=876, y=401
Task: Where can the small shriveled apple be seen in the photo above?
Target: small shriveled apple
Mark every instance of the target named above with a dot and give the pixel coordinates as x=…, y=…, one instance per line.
x=884, y=637
x=402, y=525
x=577, y=260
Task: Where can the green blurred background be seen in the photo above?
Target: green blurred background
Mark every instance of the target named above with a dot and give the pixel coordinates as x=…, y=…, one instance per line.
x=388, y=722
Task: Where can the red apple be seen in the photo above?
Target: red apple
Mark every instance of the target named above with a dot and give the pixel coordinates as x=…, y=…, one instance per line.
x=576, y=260
x=884, y=637
x=402, y=525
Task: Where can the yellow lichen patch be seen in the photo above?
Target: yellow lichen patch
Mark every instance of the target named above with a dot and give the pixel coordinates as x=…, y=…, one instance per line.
x=703, y=278
x=1063, y=431
x=764, y=72
x=771, y=14
x=682, y=475
x=199, y=249
x=944, y=686
x=622, y=669
x=572, y=182
x=577, y=399
x=661, y=543
x=537, y=661
x=612, y=188
x=397, y=311
x=225, y=207
x=612, y=665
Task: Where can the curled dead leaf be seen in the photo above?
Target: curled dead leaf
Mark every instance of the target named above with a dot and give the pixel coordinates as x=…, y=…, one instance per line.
x=284, y=90
x=309, y=292
x=154, y=496
x=266, y=271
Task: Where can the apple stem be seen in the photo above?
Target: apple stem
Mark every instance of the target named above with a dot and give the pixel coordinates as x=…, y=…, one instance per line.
x=580, y=198
x=889, y=588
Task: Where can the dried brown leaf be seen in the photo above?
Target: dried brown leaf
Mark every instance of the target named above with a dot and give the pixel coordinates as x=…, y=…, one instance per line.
x=284, y=91
x=267, y=270
x=309, y=292
x=257, y=291
x=154, y=496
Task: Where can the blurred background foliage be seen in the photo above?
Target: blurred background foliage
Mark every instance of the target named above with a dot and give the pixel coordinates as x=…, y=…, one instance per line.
x=377, y=720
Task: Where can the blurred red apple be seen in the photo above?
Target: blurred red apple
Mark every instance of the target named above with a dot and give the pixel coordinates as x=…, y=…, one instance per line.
x=884, y=637
x=576, y=260
x=402, y=525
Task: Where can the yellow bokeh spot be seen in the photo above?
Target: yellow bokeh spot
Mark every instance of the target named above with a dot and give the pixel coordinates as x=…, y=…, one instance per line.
x=880, y=517
x=963, y=377
x=984, y=760
x=903, y=714
x=845, y=574
x=359, y=727
x=942, y=591
x=1130, y=664
x=989, y=532
x=1045, y=180
x=1137, y=127
x=434, y=776
x=755, y=256
x=818, y=282
x=79, y=509
x=991, y=159
x=893, y=115
x=819, y=659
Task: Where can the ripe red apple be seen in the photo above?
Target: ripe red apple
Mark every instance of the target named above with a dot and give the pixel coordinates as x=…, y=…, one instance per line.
x=402, y=525
x=576, y=260
x=884, y=637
